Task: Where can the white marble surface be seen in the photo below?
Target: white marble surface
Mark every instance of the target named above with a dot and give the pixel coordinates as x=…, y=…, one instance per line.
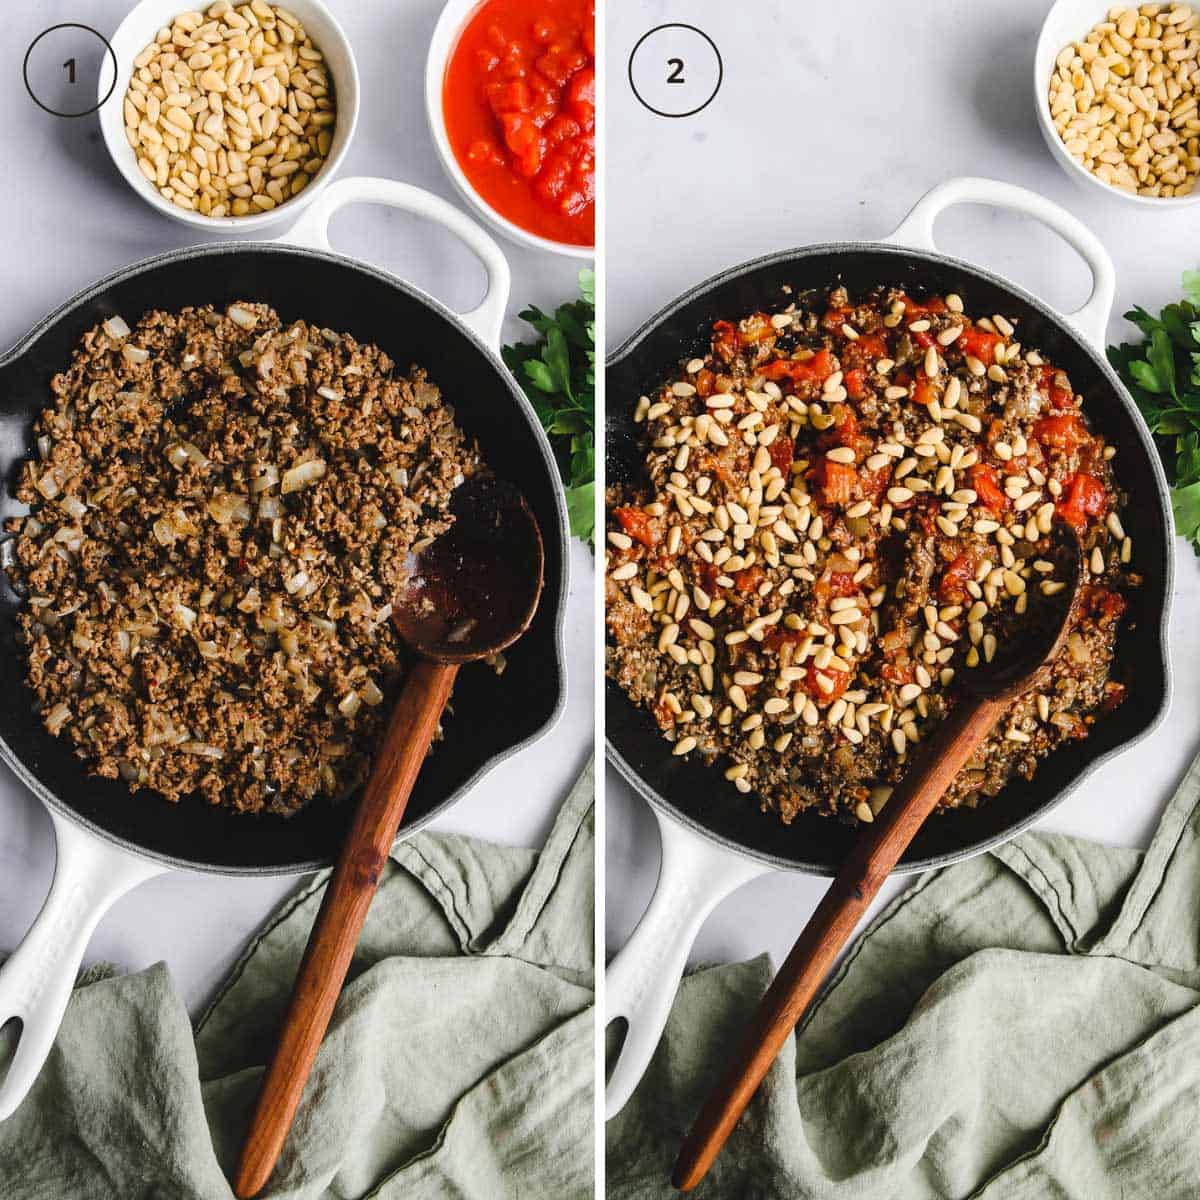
x=829, y=125
x=69, y=218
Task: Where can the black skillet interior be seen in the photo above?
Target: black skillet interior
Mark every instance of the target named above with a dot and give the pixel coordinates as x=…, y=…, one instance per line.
x=698, y=795
x=492, y=715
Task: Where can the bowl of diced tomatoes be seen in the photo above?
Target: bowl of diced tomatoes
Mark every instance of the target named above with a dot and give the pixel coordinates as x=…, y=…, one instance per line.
x=510, y=96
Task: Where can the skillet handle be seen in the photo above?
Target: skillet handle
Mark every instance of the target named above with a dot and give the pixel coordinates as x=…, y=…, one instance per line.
x=36, y=981
x=642, y=979
x=916, y=232
x=312, y=229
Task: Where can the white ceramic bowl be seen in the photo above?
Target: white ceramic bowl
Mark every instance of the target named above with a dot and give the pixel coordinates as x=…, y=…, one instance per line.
x=137, y=31
x=445, y=37
x=1070, y=21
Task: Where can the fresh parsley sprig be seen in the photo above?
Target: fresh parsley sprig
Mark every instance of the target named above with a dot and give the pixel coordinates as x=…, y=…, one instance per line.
x=558, y=374
x=1163, y=375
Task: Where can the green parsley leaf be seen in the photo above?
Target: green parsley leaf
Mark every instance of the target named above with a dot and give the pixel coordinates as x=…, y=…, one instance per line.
x=1163, y=375
x=558, y=374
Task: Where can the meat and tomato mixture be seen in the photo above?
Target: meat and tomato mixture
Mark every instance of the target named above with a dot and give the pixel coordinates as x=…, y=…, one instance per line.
x=844, y=504
x=221, y=507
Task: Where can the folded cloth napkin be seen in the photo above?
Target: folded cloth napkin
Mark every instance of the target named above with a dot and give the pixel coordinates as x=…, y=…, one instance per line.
x=1023, y=1025
x=458, y=1062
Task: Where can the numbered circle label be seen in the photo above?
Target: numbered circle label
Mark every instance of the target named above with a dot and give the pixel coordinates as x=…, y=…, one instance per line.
x=675, y=70
x=67, y=67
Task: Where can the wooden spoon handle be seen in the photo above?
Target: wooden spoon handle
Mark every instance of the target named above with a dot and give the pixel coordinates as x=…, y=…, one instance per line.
x=343, y=911
x=870, y=862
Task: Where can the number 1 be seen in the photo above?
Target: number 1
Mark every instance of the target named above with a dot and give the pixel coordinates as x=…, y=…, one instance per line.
x=69, y=67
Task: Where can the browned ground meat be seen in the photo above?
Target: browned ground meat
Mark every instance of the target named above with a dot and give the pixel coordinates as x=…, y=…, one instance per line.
x=844, y=504
x=220, y=509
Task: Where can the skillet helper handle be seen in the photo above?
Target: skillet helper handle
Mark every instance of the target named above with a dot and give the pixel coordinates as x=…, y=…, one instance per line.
x=916, y=232
x=312, y=229
x=830, y=927
x=340, y=920
x=640, y=984
x=90, y=875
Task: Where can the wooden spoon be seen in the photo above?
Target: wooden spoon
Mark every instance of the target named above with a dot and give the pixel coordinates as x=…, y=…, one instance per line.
x=985, y=695
x=469, y=595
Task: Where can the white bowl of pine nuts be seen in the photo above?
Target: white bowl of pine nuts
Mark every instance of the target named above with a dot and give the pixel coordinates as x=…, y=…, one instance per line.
x=233, y=115
x=1116, y=90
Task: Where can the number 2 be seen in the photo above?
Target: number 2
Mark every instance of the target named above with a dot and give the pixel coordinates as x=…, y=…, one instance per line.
x=676, y=75
x=69, y=67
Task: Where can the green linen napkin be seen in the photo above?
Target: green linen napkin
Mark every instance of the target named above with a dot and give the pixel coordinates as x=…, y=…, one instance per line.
x=1023, y=1025
x=458, y=1062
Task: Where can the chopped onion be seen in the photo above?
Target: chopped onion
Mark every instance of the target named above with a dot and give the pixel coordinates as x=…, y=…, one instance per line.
x=207, y=649
x=329, y=393
x=135, y=354
x=250, y=602
x=241, y=316
x=382, y=615
x=266, y=479
x=115, y=327
x=371, y=693
x=73, y=507
x=43, y=445
x=399, y=476
x=289, y=643
x=224, y=508
x=187, y=616
x=269, y=508
x=349, y=704
x=266, y=364
x=202, y=750
x=176, y=455
x=297, y=581
x=301, y=476
x=48, y=485
x=57, y=717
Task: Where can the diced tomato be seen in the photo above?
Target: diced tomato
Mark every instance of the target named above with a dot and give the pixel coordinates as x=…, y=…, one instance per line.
x=979, y=343
x=782, y=451
x=809, y=370
x=1084, y=497
x=509, y=97
x=922, y=337
x=844, y=431
x=874, y=483
x=855, y=381
x=923, y=390
x=1114, y=697
x=1065, y=431
x=748, y=579
x=914, y=310
x=1060, y=397
x=756, y=328
x=726, y=341
x=835, y=318
x=581, y=92
x=639, y=525
x=836, y=481
x=868, y=349
x=953, y=587
x=900, y=672
x=985, y=481
x=839, y=681
x=835, y=583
